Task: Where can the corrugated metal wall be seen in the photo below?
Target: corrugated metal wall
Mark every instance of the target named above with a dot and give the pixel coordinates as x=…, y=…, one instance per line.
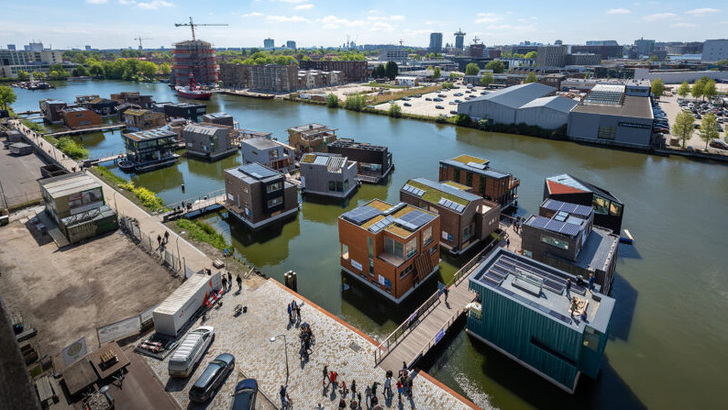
x=512, y=327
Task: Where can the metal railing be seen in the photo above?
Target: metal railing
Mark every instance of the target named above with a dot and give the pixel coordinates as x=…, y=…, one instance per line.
x=202, y=200
x=165, y=257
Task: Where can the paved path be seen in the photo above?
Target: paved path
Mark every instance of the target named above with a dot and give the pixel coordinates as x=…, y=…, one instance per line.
x=345, y=350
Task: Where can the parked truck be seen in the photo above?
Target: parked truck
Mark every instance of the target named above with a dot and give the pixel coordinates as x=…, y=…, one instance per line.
x=173, y=313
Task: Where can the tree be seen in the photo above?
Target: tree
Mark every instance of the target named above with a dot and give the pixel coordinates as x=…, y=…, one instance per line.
x=709, y=90
x=683, y=127
x=531, y=55
x=79, y=71
x=378, y=72
x=7, y=96
x=658, y=87
x=332, y=101
x=355, y=102
x=447, y=85
x=437, y=73
x=697, y=90
x=487, y=79
x=531, y=78
x=708, y=129
x=23, y=75
x=147, y=69
x=496, y=66
x=395, y=111
x=472, y=69
x=165, y=69
x=391, y=70
x=684, y=89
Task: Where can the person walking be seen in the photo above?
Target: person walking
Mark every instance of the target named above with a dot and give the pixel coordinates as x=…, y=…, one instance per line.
x=445, y=291
x=374, y=388
x=399, y=390
x=290, y=311
x=387, y=391
x=283, y=395
x=240, y=283
x=224, y=283
x=508, y=243
x=368, y=394
x=343, y=391
x=591, y=282
x=166, y=237
x=568, y=288
x=326, y=374
x=159, y=240
x=298, y=313
x=230, y=279
x=332, y=379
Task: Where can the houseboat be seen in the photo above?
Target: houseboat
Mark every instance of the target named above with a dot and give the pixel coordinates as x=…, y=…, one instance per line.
x=149, y=150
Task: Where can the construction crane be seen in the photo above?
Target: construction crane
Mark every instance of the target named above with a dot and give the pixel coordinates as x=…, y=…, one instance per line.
x=140, y=38
x=193, y=25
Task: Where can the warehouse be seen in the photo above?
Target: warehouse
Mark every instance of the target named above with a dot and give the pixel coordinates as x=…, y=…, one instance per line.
x=501, y=106
x=613, y=115
x=546, y=112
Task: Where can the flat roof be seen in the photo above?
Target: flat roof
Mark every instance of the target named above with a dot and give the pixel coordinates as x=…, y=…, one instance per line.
x=572, y=209
x=632, y=107
x=204, y=128
x=600, y=248
x=68, y=184
x=561, y=104
x=332, y=162
x=136, y=112
x=75, y=109
x=261, y=143
x=153, y=134
x=439, y=193
x=542, y=289
x=254, y=172
x=478, y=168
x=218, y=115
x=312, y=127
x=515, y=96
x=350, y=143
x=401, y=219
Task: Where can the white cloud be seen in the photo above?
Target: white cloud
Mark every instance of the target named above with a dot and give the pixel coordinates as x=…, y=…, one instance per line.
x=286, y=19
x=703, y=11
x=97, y=1
x=253, y=14
x=145, y=5
x=682, y=25
x=294, y=1
x=619, y=11
x=659, y=16
x=304, y=6
x=331, y=22
x=485, y=18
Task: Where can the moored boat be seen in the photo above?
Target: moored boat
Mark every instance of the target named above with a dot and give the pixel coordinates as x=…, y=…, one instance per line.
x=192, y=90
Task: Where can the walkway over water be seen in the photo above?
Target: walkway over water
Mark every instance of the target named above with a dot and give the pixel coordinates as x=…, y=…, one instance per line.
x=195, y=206
x=430, y=322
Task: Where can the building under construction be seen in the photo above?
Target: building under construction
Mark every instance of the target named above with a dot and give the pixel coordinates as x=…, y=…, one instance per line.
x=196, y=57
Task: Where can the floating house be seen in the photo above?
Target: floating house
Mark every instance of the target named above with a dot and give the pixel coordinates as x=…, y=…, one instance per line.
x=563, y=235
x=465, y=218
x=188, y=111
x=79, y=117
x=375, y=161
x=259, y=196
x=525, y=312
x=134, y=98
x=209, y=141
x=149, y=150
x=311, y=138
x=139, y=120
x=608, y=210
x=101, y=106
x=328, y=175
x=220, y=118
x=52, y=110
x=75, y=202
x=390, y=248
x=496, y=186
x=271, y=153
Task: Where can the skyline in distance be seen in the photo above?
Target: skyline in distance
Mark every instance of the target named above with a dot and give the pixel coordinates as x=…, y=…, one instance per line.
x=113, y=24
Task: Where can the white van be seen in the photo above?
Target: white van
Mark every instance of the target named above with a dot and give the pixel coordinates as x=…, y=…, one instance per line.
x=190, y=351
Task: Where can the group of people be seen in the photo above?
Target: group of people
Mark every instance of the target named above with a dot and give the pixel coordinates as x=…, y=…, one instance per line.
x=403, y=384
x=294, y=312
x=307, y=340
x=227, y=282
x=162, y=241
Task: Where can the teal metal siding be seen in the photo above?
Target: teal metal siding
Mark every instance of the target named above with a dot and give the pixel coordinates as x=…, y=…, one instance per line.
x=591, y=360
x=535, y=339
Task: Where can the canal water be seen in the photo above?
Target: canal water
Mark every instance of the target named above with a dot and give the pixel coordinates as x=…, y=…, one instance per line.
x=668, y=333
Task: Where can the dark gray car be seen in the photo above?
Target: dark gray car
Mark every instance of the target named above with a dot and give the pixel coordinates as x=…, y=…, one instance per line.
x=212, y=378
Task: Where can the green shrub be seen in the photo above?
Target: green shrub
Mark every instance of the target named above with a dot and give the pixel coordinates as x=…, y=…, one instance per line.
x=70, y=147
x=355, y=102
x=202, y=232
x=110, y=175
x=395, y=111
x=39, y=128
x=463, y=120
x=147, y=198
x=332, y=101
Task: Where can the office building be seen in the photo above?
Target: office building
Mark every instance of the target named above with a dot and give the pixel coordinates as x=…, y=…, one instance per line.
x=563, y=235
x=476, y=174
x=291, y=45
x=466, y=219
x=259, y=196
x=435, y=43
x=644, y=47
x=551, y=56
x=330, y=175
x=715, y=50
x=459, y=39
x=525, y=312
x=390, y=248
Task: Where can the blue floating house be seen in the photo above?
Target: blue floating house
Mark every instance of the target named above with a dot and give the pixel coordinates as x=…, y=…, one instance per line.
x=523, y=311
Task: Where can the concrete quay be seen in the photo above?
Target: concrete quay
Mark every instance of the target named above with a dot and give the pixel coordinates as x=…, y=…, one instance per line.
x=338, y=345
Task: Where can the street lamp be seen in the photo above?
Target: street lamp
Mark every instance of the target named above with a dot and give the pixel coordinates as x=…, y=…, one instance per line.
x=179, y=261
x=285, y=346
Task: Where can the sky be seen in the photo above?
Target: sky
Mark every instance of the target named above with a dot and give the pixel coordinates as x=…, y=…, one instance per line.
x=64, y=24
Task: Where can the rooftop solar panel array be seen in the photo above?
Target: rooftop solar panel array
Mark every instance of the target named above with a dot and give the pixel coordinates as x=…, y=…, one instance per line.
x=554, y=205
x=385, y=222
x=415, y=191
x=605, y=94
x=417, y=218
x=552, y=225
x=361, y=214
x=258, y=171
x=450, y=204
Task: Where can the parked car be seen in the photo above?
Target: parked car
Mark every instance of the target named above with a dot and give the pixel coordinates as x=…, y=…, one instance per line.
x=428, y=99
x=245, y=394
x=454, y=112
x=439, y=107
x=719, y=144
x=437, y=99
x=453, y=103
x=407, y=104
x=190, y=351
x=212, y=378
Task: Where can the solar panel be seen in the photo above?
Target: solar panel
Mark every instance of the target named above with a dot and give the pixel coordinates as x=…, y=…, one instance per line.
x=415, y=191
x=417, y=218
x=258, y=171
x=559, y=316
x=361, y=214
x=561, y=216
x=385, y=222
x=321, y=160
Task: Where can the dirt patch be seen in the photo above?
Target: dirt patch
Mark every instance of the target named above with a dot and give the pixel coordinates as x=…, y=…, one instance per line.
x=66, y=294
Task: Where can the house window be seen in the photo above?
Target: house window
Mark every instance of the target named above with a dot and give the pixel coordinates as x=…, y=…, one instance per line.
x=427, y=236
x=555, y=242
x=456, y=175
x=332, y=185
x=275, y=201
x=411, y=248
x=393, y=247
x=469, y=178
x=482, y=185
x=467, y=232
x=370, y=251
x=406, y=271
x=274, y=187
x=607, y=133
x=399, y=249
x=345, y=251
x=273, y=155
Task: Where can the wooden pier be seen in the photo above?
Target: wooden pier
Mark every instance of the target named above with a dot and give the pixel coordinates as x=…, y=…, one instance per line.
x=194, y=207
x=101, y=128
x=431, y=321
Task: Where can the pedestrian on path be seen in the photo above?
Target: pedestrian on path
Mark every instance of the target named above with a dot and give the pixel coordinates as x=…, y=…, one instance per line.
x=368, y=394
x=290, y=316
x=342, y=404
x=508, y=243
x=374, y=389
x=332, y=379
x=399, y=390
x=298, y=313
x=159, y=240
x=166, y=237
x=284, y=396
x=568, y=287
x=591, y=282
x=445, y=292
x=387, y=387
x=343, y=391
x=326, y=374
x=224, y=283
x=240, y=283
x=230, y=279
x=353, y=388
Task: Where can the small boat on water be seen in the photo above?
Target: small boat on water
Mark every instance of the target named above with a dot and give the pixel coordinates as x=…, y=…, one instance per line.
x=193, y=90
x=627, y=238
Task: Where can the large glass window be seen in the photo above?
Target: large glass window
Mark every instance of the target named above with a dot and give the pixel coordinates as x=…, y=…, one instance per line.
x=467, y=232
x=389, y=245
x=469, y=178
x=345, y=251
x=427, y=236
x=399, y=249
x=274, y=187
x=393, y=247
x=607, y=133
x=411, y=248
x=275, y=201
x=456, y=175
x=555, y=242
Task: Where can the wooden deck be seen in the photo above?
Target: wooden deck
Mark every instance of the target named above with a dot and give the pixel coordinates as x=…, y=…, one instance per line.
x=198, y=207
x=100, y=128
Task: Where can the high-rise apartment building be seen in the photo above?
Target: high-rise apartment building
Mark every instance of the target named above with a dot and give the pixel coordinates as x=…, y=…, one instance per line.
x=435, y=43
x=269, y=44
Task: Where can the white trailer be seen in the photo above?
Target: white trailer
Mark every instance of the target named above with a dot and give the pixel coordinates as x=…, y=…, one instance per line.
x=173, y=313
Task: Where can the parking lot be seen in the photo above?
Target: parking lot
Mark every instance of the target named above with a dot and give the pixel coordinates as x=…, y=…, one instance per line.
x=19, y=178
x=427, y=104
x=671, y=108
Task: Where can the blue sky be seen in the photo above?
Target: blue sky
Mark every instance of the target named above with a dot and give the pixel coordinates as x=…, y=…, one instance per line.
x=115, y=23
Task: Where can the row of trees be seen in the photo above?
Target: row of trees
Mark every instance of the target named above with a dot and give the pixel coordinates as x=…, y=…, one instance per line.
x=285, y=57
x=388, y=70
x=702, y=88
x=684, y=127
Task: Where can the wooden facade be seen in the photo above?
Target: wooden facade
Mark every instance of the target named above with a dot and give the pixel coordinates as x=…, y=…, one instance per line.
x=476, y=173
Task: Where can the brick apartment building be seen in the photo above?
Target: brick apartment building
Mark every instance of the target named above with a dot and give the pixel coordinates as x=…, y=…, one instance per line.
x=353, y=71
